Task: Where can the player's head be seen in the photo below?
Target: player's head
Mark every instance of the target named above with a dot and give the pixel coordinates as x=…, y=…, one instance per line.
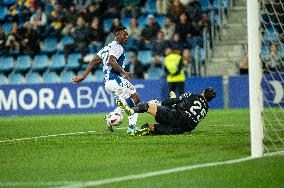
x=120, y=34
x=209, y=93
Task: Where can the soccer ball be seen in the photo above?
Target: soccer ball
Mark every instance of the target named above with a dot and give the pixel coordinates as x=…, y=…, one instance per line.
x=114, y=118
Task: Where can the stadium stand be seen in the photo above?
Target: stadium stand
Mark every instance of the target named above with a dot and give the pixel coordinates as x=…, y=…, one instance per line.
x=33, y=78
x=52, y=38
x=16, y=78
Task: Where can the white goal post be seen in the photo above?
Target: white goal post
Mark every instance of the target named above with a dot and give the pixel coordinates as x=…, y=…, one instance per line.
x=255, y=78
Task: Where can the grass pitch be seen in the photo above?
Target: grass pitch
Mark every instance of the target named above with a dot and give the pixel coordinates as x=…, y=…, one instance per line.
x=69, y=159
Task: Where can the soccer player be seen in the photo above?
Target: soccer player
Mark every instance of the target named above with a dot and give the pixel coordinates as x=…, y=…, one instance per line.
x=115, y=77
x=188, y=110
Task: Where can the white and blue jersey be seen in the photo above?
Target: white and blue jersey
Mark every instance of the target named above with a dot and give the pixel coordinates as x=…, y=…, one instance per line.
x=115, y=83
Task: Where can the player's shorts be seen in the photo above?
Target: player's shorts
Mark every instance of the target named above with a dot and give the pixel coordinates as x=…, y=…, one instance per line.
x=171, y=122
x=123, y=90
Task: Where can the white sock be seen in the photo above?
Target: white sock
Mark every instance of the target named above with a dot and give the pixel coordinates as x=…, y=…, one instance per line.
x=119, y=110
x=133, y=119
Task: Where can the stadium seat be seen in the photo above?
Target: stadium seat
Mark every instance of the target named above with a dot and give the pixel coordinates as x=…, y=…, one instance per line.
x=23, y=63
x=107, y=24
x=160, y=20
x=205, y=5
x=269, y=37
x=73, y=61
x=145, y=57
x=142, y=21
x=57, y=62
x=281, y=50
x=40, y=63
x=7, y=27
x=150, y=7
x=99, y=76
x=49, y=77
x=16, y=78
x=64, y=41
x=33, y=78
x=265, y=52
x=6, y=64
x=66, y=77
x=2, y=79
x=3, y=12
x=127, y=56
x=8, y=2
x=125, y=21
x=154, y=73
x=90, y=77
x=49, y=45
x=199, y=53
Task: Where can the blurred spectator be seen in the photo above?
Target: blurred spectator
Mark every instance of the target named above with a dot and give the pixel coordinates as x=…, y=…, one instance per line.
x=159, y=45
x=116, y=23
x=174, y=69
x=2, y=41
x=14, y=38
x=12, y=13
x=70, y=15
x=91, y=13
x=134, y=35
x=185, y=2
x=130, y=9
x=95, y=35
x=274, y=61
x=176, y=42
x=183, y=27
x=168, y=29
x=157, y=62
x=150, y=31
x=176, y=10
x=244, y=66
x=80, y=36
x=55, y=18
x=193, y=10
x=188, y=62
x=136, y=67
x=82, y=3
x=113, y=9
x=30, y=40
x=38, y=19
x=162, y=6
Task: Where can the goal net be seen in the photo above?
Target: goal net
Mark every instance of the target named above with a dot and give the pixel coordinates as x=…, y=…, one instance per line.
x=272, y=58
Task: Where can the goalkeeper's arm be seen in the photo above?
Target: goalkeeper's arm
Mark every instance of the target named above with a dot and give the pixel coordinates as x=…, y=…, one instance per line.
x=174, y=100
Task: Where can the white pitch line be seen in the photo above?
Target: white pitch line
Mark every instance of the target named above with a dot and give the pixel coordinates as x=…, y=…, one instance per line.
x=47, y=136
x=35, y=184
x=159, y=173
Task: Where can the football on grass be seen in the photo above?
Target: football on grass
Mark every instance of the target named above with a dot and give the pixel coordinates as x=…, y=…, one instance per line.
x=115, y=118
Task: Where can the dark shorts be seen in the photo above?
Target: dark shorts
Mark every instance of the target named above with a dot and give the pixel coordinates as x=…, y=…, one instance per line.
x=171, y=122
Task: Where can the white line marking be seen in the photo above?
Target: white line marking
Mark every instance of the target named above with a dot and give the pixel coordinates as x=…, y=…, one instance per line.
x=47, y=136
x=131, y=177
x=159, y=173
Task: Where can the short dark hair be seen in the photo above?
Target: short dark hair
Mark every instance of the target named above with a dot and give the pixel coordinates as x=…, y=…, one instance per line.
x=119, y=28
x=209, y=93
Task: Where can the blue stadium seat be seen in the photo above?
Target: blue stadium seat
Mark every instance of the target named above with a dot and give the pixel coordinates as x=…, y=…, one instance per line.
x=99, y=76
x=154, y=73
x=8, y=2
x=49, y=45
x=33, y=78
x=57, y=62
x=107, y=24
x=145, y=57
x=281, y=50
x=90, y=77
x=49, y=77
x=16, y=78
x=224, y=4
x=40, y=63
x=265, y=52
x=2, y=79
x=73, y=61
x=66, y=77
x=150, y=7
x=142, y=21
x=3, y=12
x=127, y=56
x=160, y=20
x=205, y=5
x=23, y=63
x=6, y=64
x=269, y=37
x=200, y=55
x=7, y=27
x=125, y=21
x=64, y=41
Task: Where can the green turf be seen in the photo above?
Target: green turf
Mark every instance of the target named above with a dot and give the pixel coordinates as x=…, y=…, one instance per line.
x=223, y=135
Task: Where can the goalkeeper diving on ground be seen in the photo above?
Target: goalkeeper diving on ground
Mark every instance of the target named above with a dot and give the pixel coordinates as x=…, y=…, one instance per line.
x=176, y=115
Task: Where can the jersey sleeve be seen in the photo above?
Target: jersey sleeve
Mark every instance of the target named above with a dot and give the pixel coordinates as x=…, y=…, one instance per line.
x=185, y=96
x=116, y=51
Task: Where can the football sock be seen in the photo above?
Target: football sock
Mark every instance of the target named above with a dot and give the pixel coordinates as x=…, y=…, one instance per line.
x=133, y=119
x=141, y=108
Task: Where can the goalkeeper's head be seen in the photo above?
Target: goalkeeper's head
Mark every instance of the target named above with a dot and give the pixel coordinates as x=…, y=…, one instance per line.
x=209, y=93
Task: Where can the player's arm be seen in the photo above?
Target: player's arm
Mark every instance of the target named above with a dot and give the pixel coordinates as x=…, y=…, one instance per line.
x=80, y=78
x=173, y=101
x=113, y=63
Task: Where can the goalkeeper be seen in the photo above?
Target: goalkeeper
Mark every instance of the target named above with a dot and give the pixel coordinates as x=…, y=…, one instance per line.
x=184, y=115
